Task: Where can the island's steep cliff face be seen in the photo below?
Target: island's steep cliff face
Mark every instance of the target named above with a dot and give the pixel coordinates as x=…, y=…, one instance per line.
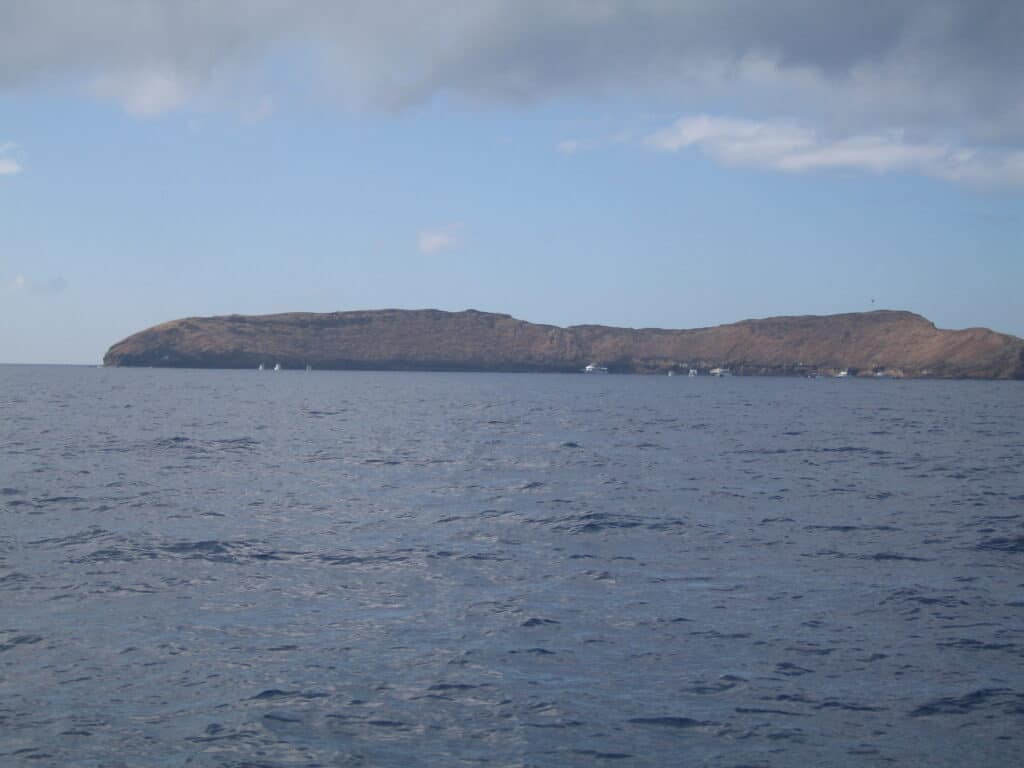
x=894, y=343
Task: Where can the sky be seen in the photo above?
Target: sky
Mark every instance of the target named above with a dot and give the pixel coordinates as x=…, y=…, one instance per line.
x=643, y=163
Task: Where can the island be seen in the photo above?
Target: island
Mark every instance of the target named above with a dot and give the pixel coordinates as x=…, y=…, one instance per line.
x=883, y=343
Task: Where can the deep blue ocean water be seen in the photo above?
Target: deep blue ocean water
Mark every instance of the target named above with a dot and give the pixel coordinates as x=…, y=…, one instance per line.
x=232, y=568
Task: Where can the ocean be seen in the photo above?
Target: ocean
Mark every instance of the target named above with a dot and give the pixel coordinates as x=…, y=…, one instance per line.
x=232, y=568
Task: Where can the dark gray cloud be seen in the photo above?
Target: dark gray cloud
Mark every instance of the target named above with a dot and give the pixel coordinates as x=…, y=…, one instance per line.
x=938, y=68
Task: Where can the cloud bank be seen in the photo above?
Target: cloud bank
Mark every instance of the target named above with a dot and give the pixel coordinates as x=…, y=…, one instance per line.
x=936, y=73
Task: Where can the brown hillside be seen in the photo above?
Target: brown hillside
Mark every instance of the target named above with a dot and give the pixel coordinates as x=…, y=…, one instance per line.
x=894, y=343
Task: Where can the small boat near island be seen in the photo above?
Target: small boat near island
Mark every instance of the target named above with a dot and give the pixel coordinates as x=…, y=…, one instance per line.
x=260, y=368
x=692, y=373
x=720, y=372
x=277, y=367
x=595, y=368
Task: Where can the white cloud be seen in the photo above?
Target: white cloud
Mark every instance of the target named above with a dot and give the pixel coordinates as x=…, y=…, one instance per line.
x=790, y=147
x=573, y=146
x=23, y=284
x=569, y=146
x=432, y=241
x=8, y=165
x=145, y=93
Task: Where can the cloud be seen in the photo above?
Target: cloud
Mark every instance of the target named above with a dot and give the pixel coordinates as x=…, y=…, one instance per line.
x=935, y=73
x=431, y=241
x=24, y=284
x=258, y=110
x=574, y=146
x=8, y=165
x=570, y=146
x=912, y=61
x=146, y=93
x=787, y=146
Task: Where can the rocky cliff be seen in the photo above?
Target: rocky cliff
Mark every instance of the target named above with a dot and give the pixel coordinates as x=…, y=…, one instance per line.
x=889, y=342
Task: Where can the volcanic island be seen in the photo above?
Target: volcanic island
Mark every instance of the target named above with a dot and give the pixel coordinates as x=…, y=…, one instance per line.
x=882, y=343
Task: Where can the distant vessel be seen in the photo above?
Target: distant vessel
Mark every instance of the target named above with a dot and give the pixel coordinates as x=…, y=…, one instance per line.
x=277, y=367
x=720, y=372
x=693, y=372
x=595, y=368
x=260, y=368
x=671, y=373
x=843, y=374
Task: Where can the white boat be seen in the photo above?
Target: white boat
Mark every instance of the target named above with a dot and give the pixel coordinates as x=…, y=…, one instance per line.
x=720, y=372
x=842, y=374
x=595, y=368
x=693, y=372
x=277, y=367
x=671, y=373
x=260, y=368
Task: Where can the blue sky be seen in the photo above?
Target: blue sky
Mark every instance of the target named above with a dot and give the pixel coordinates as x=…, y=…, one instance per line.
x=169, y=177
